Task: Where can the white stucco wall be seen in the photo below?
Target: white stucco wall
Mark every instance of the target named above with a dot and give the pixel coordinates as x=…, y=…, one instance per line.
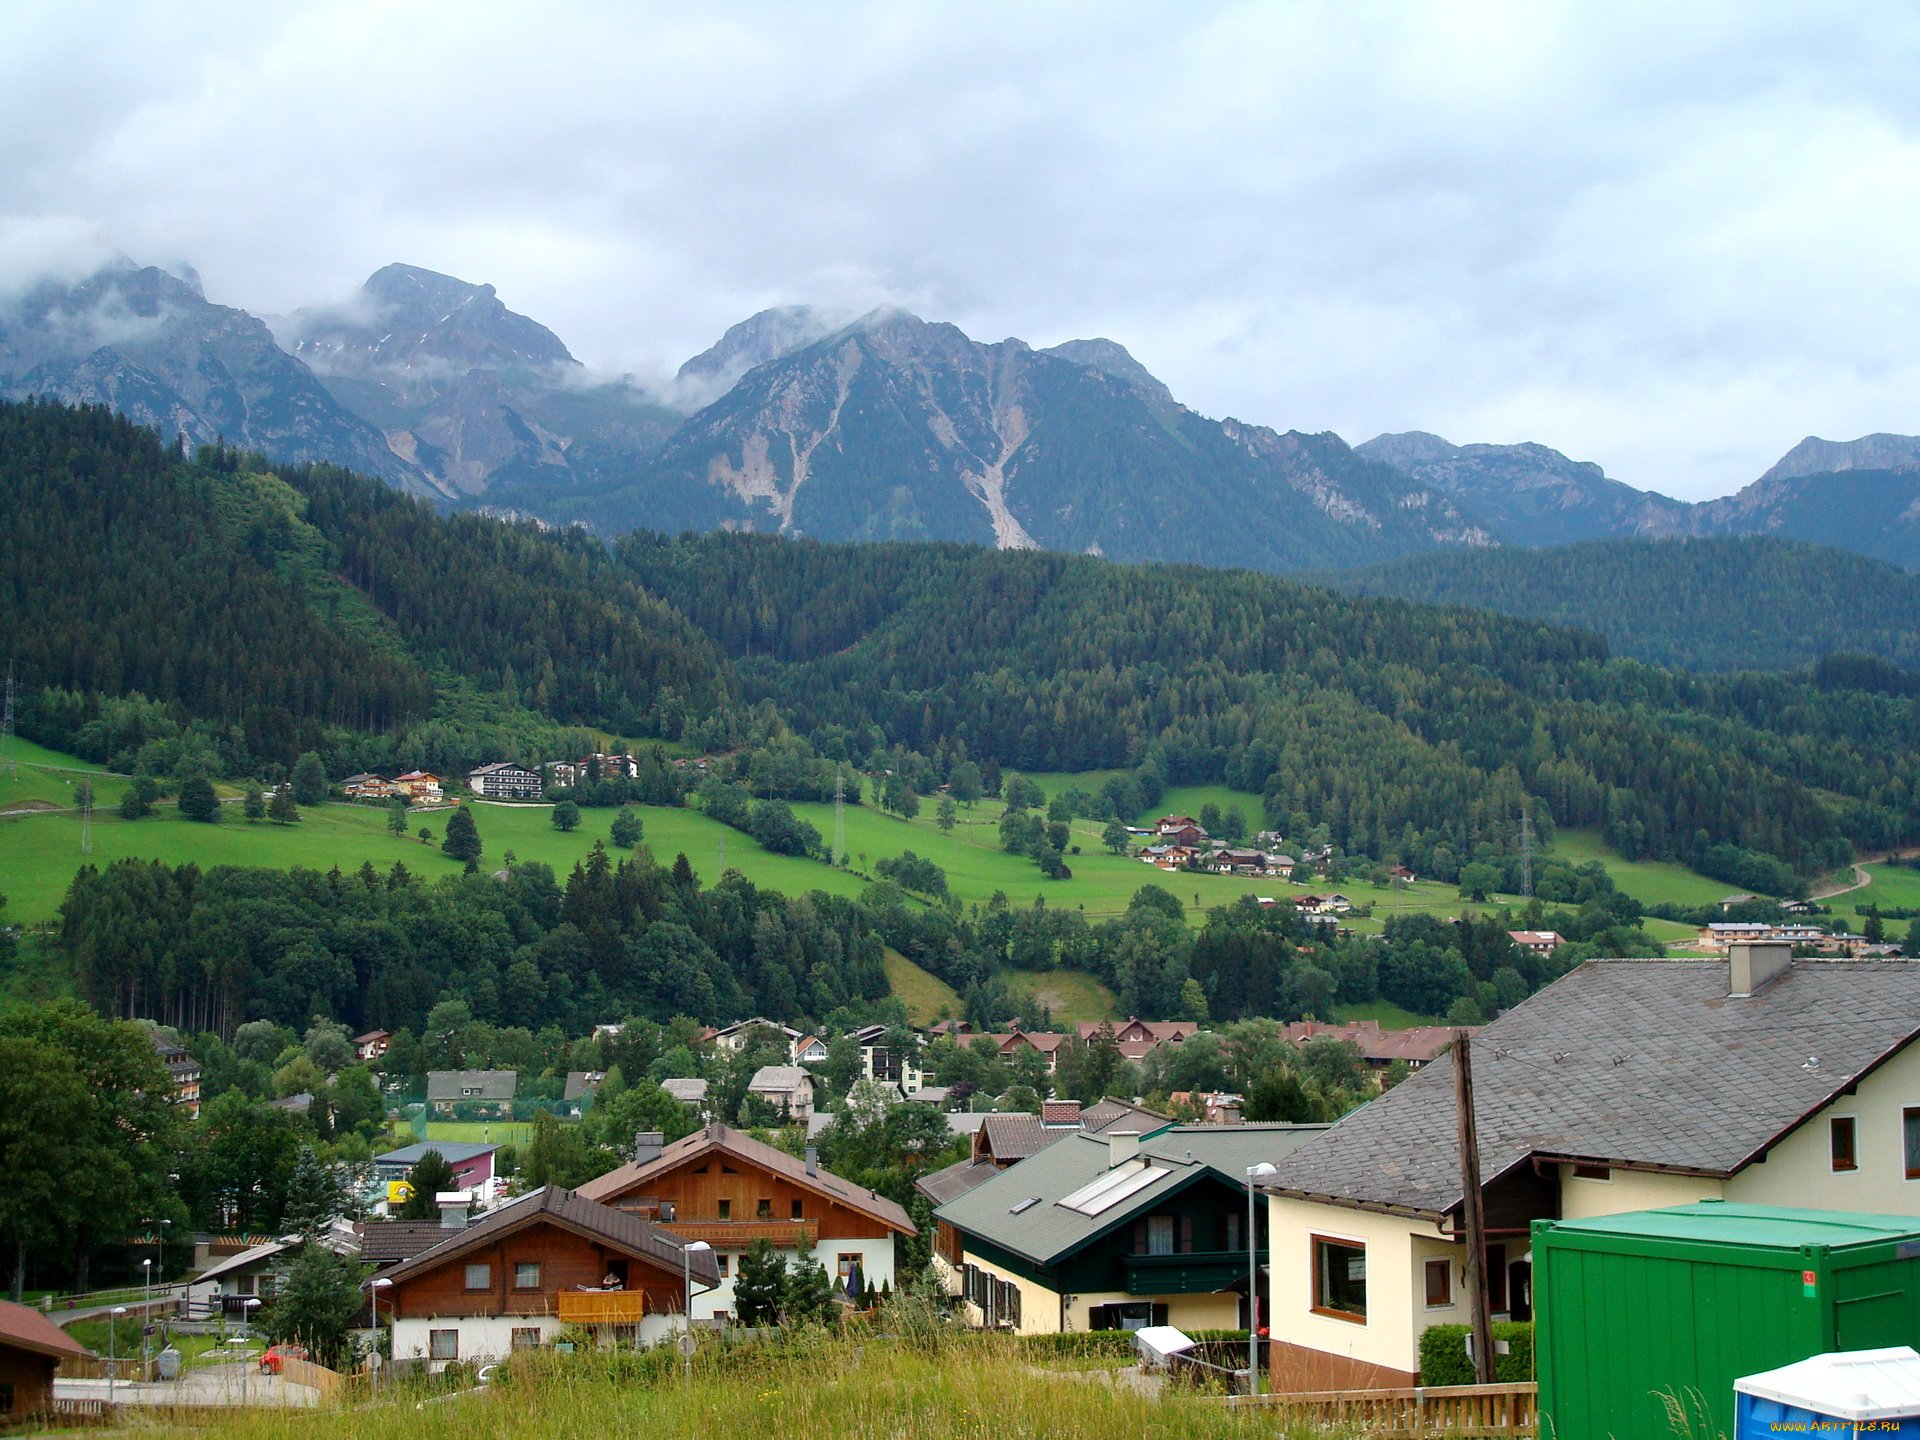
x=876, y=1267
x=1396, y=1310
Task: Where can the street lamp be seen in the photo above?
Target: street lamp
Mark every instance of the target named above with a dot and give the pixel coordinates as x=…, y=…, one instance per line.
x=113, y=1348
x=376, y=1285
x=1262, y=1171
x=686, y=1279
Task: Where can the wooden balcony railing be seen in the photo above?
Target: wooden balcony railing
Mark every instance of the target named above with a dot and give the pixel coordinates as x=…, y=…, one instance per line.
x=603, y=1307
x=739, y=1234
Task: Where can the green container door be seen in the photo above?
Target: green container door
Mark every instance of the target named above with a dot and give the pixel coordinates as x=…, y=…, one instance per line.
x=1629, y=1307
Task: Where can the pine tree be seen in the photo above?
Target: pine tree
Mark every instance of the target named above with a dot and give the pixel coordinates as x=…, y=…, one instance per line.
x=282, y=811
x=760, y=1286
x=397, y=817
x=430, y=1176
x=626, y=828
x=254, y=807
x=198, y=802
x=462, y=841
x=315, y=1196
x=309, y=780
x=318, y=1305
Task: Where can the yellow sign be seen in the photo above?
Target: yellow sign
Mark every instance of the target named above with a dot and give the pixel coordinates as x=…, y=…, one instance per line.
x=398, y=1192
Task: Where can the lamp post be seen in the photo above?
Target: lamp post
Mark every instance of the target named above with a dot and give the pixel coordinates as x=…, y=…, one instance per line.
x=113, y=1348
x=1262, y=1171
x=686, y=1280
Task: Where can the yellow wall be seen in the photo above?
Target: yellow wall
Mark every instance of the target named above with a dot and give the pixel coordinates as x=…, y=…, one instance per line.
x=1800, y=1172
x=1630, y=1190
x=1040, y=1307
x=1396, y=1294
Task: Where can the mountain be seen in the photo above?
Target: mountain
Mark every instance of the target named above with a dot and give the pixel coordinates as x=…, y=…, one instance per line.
x=1529, y=494
x=897, y=428
x=1709, y=605
x=153, y=347
x=484, y=401
x=769, y=335
x=1814, y=456
x=1869, y=511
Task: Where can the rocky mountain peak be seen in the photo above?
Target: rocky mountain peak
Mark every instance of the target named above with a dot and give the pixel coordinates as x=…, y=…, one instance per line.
x=1814, y=456
x=768, y=335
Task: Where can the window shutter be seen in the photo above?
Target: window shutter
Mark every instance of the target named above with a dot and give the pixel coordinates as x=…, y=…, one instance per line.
x=1140, y=1237
x=1159, y=1314
x=1186, y=1234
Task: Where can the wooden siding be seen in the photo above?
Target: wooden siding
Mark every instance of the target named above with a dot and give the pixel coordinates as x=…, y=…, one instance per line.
x=696, y=1187
x=567, y=1263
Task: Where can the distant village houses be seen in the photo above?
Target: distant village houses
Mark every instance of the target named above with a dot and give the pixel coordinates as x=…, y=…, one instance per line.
x=504, y=780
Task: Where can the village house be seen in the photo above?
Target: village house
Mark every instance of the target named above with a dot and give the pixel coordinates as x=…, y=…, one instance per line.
x=1536, y=942
x=730, y=1038
x=471, y=1162
x=880, y=1063
x=580, y=1089
x=372, y=1045
x=722, y=1186
x=1010, y=1137
x=1625, y=1085
x=491, y=1090
x=31, y=1349
x=549, y=1260
x=366, y=786
x=419, y=787
x=182, y=1069
x=691, y=1093
x=591, y=768
x=1380, y=1049
x=504, y=780
x=788, y=1088
x=1114, y=1231
x=239, y=1283
x=809, y=1050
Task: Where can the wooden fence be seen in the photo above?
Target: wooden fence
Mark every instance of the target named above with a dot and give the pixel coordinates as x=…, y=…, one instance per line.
x=305, y=1372
x=1458, y=1412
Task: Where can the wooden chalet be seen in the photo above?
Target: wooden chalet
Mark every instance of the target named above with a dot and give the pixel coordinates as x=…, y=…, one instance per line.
x=515, y=1278
x=722, y=1186
x=31, y=1348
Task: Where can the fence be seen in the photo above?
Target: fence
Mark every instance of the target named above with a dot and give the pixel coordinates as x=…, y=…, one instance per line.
x=305, y=1372
x=1458, y=1412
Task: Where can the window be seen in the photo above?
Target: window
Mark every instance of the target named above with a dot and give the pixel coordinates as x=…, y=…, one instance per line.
x=1840, y=1143
x=6, y=1398
x=1911, y=1119
x=1340, y=1279
x=845, y=1265
x=1497, y=1279
x=1439, y=1284
x=1592, y=1172
x=720, y=1262
x=1160, y=1234
x=763, y=1210
x=669, y=1211
x=479, y=1277
x=443, y=1344
x=526, y=1275
x=1230, y=1231
x=726, y=1209
x=799, y=1209
x=243, y=1286
x=526, y=1337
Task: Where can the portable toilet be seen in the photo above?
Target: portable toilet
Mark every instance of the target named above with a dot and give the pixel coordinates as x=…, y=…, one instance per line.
x=1681, y=1302
x=1856, y=1392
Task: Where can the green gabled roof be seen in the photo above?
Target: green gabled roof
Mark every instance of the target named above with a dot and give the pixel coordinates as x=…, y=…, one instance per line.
x=1773, y=1227
x=1045, y=1233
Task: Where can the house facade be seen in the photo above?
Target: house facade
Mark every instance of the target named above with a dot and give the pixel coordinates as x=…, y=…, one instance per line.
x=490, y=1089
x=722, y=1186
x=504, y=780
x=471, y=1162
x=365, y=786
x=1625, y=1085
x=549, y=1260
x=1111, y=1231
x=31, y=1349
x=788, y=1088
x=419, y=787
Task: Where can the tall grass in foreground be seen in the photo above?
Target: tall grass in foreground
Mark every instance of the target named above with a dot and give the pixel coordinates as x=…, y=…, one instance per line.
x=972, y=1388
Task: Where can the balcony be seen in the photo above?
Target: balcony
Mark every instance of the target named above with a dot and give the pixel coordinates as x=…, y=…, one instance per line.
x=1199, y=1272
x=739, y=1234
x=602, y=1307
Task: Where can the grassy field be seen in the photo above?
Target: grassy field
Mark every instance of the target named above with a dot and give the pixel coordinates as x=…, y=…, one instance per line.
x=480, y=1132
x=43, y=779
x=1894, y=887
x=1389, y=1015
x=1071, y=995
x=924, y=994
x=1651, y=882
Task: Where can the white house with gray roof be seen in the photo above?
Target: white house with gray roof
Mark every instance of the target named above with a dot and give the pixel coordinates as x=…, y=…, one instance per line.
x=1625, y=1085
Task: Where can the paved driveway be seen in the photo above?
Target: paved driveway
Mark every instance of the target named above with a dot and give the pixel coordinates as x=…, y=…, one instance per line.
x=228, y=1384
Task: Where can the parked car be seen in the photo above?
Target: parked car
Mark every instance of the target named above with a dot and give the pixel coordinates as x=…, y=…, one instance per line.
x=277, y=1355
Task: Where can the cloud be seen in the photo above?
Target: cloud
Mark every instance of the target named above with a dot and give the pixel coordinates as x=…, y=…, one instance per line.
x=1670, y=239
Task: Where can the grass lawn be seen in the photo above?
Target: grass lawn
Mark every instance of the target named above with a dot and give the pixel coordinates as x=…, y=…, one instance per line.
x=1071, y=995
x=44, y=779
x=924, y=994
x=480, y=1132
x=1390, y=1015
x=1894, y=887
x=1651, y=882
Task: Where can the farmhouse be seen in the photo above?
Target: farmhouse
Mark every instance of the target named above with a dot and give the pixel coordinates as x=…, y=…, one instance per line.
x=1625, y=1085
x=504, y=780
x=548, y=1260
x=372, y=1045
x=788, y=1088
x=491, y=1089
x=31, y=1349
x=722, y=1186
x=420, y=787
x=368, y=787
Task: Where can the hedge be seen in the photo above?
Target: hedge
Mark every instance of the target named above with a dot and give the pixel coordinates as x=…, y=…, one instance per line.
x=1443, y=1354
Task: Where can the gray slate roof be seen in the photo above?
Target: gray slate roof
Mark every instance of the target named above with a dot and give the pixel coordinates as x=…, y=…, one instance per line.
x=1045, y=1233
x=451, y=1151
x=1624, y=1062
x=779, y=1079
x=955, y=1179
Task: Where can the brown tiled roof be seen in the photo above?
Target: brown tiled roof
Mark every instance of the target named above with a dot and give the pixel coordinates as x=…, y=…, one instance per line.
x=30, y=1330
x=384, y=1241
x=631, y=1177
x=572, y=1211
x=1624, y=1062
x=1013, y=1137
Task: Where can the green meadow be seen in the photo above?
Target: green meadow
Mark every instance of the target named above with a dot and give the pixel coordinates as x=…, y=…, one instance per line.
x=1893, y=887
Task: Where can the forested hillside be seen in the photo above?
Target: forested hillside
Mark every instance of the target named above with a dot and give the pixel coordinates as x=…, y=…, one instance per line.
x=1709, y=605
x=220, y=617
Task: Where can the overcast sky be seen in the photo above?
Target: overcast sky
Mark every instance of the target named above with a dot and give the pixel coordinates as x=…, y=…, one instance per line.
x=1671, y=238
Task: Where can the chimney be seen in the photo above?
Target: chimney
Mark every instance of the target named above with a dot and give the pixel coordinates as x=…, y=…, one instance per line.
x=813, y=1160
x=1122, y=1146
x=453, y=1208
x=1059, y=1112
x=647, y=1145
x=1752, y=963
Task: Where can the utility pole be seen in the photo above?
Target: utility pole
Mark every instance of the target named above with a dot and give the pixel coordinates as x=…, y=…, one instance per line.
x=839, y=816
x=1472, y=1212
x=1526, y=853
x=6, y=729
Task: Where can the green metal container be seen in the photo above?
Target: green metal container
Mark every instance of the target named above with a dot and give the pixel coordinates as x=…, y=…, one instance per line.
x=1684, y=1301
